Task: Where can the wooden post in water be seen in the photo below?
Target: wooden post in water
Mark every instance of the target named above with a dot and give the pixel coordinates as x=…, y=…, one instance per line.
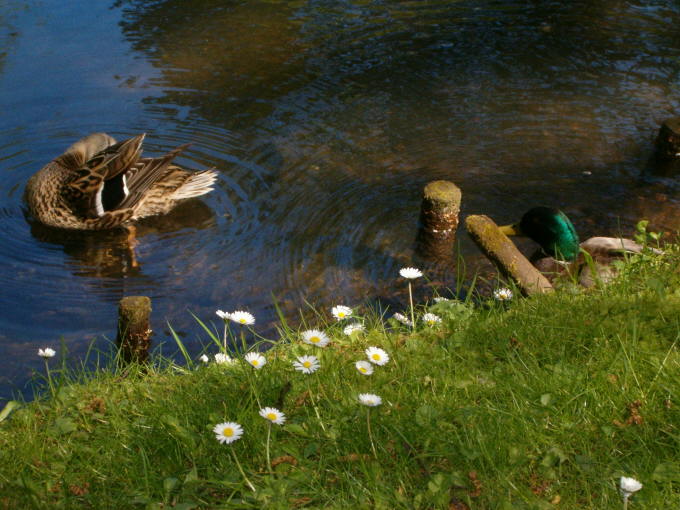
x=134, y=333
x=503, y=252
x=438, y=220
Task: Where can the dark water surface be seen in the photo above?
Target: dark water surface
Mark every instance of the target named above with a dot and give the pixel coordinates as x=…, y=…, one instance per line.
x=325, y=119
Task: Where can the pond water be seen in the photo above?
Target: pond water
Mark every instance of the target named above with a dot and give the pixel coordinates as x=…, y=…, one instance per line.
x=325, y=119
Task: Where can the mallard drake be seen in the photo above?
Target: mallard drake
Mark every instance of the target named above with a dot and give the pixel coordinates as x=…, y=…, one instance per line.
x=99, y=183
x=561, y=251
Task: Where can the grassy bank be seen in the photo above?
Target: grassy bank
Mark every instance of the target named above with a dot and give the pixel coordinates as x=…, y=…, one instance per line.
x=532, y=403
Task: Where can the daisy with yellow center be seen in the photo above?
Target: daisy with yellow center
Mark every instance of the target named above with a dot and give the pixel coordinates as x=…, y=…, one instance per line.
x=315, y=337
x=377, y=356
x=364, y=367
x=306, y=364
x=243, y=318
x=228, y=432
x=273, y=415
x=341, y=312
x=431, y=319
x=223, y=359
x=46, y=353
x=369, y=399
x=503, y=294
x=402, y=318
x=353, y=328
x=255, y=359
x=410, y=272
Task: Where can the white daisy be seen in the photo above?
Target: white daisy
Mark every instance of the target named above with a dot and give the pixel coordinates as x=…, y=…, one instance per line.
x=369, y=399
x=377, y=356
x=306, y=364
x=364, y=367
x=228, y=432
x=273, y=415
x=402, y=318
x=439, y=299
x=315, y=337
x=431, y=319
x=221, y=358
x=353, y=328
x=410, y=272
x=223, y=315
x=628, y=486
x=341, y=312
x=503, y=294
x=46, y=353
x=241, y=317
x=255, y=359
x=204, y=358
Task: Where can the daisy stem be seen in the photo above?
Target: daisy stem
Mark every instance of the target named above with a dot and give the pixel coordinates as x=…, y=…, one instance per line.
x=410, y=299
x=249, y=371
x=625, y=501
x=316, y=411
x=224, y=337
x=370, y=434
x=269, y=460
x=49, y=377
x=252, y=487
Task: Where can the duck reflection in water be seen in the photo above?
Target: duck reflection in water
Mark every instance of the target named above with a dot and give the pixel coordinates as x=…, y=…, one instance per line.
x=111, y=253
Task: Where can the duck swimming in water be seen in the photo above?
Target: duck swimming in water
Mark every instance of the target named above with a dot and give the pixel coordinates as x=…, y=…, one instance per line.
x=99, y=184
x=561, y=251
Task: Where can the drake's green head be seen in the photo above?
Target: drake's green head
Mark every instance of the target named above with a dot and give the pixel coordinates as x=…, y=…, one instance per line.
x=551, y=229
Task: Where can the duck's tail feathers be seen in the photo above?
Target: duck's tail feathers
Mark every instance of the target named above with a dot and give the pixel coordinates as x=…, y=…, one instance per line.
x=199, y=183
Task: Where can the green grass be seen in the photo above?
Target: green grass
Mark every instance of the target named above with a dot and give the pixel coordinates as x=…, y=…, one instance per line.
x=535, y=404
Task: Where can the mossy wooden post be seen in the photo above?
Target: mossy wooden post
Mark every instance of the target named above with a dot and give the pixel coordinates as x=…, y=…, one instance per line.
x=502, y=252
x=438, y=220
x=134, y=333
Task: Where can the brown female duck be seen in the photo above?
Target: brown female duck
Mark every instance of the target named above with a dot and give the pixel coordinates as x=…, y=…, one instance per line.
x=99, y=183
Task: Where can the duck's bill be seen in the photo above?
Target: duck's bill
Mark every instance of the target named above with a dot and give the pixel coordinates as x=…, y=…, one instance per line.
x=511, y=230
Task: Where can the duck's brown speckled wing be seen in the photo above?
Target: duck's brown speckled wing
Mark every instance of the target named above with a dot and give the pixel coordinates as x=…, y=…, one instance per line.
x=88, y=183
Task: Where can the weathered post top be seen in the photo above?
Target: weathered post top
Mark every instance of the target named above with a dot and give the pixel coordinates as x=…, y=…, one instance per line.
x=440, y=207
x=438, y=221
x=502, y=252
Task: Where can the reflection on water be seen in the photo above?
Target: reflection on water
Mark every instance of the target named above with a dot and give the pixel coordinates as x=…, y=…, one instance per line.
x=325, y=120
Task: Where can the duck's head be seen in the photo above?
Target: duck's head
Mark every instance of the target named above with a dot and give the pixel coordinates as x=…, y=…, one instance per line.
x=551, y=229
